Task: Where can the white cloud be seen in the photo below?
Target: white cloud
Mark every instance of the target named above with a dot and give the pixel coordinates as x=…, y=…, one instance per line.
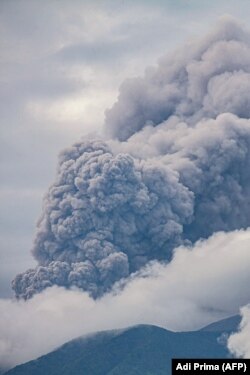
x=200, y=285
x=239, y=343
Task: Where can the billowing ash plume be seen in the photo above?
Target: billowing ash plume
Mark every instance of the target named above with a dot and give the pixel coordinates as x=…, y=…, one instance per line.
x=105, y=217
x=176, y=169
x=213, y=161
x=200, y=81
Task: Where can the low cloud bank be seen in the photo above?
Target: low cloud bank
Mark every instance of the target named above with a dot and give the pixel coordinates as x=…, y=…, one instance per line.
x=239, y=343
x=201, y=284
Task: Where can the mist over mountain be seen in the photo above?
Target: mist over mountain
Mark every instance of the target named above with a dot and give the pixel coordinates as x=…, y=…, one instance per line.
x=137, y=350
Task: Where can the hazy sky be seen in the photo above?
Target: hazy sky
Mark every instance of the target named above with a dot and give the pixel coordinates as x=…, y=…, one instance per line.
x=61, y=66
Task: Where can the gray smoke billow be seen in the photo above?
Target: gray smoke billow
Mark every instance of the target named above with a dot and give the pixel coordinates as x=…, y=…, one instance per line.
x=105, y=217
x=175, y=167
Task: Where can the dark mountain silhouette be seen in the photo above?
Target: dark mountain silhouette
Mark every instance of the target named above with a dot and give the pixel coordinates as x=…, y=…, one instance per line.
x=139, y=350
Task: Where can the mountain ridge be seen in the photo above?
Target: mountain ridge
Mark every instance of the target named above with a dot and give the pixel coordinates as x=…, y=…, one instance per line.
x=138, y=350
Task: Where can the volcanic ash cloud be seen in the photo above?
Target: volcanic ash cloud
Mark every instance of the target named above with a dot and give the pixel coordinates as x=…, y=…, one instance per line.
x=174, y=168
x=105, y=217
